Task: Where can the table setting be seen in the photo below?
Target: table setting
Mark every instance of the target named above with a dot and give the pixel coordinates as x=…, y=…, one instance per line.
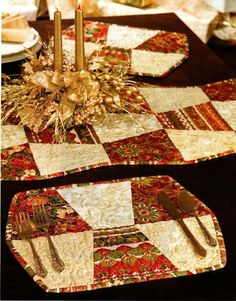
x=97, y=143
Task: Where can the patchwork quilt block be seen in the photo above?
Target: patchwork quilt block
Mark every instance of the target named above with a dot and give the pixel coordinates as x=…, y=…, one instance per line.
x=174, y=125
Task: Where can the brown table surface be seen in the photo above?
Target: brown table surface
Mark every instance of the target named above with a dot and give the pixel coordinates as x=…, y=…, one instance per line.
x=214, y=182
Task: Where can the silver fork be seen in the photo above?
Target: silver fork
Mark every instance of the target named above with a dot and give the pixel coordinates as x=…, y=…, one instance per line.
x=25, y=231
x=41, y=220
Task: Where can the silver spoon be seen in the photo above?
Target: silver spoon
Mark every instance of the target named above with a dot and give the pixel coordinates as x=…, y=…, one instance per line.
x=188, y=204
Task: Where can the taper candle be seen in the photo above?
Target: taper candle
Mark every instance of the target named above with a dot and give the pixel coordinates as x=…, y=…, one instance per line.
x=58, y=56
x=79, y=40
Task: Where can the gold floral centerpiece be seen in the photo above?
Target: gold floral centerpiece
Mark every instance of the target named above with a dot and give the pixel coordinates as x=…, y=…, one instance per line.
x=50, y=94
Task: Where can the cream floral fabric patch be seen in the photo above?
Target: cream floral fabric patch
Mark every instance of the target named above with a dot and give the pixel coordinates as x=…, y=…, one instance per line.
x=128, y=37
x=163, y=99
x=170, y=239
x=69, y=49
x=157, y=62
x=52, y=158
x=77, y=257
x=89, y=48
x=12, y=135
x=121, y=126
x=102, y=206
x=227, y=110
x=198, y=144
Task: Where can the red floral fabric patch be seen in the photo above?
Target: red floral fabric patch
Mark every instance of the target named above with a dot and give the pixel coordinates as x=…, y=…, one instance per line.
x=146, y=207
x=171, y=42
x=62, y=216
x=152, y=147
x=17, y=162
x=221, y=91
x=95, y=32
x=114, y=56
x=128, y=262
x=47, y=136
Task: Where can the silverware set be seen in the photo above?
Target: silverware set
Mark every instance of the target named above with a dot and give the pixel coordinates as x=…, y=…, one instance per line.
x=25, y=231
x=187, y=203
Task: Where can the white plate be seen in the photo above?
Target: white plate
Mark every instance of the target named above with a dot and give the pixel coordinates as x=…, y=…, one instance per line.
x=21, y=55
x=9, y=49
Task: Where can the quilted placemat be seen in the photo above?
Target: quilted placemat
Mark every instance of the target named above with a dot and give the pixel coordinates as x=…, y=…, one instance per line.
x=175, y=125
x=113, y=233
x=142, y=51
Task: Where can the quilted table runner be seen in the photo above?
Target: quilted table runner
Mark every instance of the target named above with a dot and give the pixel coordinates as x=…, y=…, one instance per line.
x=175, y=125
x=113, y=233
x=142, y=51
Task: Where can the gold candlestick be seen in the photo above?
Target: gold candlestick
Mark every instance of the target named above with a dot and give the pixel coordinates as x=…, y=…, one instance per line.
x=57, y=42
x=79, y=40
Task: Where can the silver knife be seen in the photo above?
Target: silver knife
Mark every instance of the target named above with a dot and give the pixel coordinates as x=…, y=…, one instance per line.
x=166, y=203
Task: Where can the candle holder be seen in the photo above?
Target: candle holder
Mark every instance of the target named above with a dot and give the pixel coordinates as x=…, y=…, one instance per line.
x=52, y=95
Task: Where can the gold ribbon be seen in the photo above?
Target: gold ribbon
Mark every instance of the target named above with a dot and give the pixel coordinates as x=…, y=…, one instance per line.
x=75, y=87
